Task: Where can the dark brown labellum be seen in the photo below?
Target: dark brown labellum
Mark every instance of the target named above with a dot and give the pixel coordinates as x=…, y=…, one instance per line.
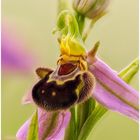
x=57, y=95
x=52, y=96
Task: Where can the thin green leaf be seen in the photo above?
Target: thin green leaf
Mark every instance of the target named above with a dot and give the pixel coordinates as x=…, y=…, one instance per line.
x=128, y=73
x=91, y=121
x=71, y=131
x=84, y=110
x=33, y=128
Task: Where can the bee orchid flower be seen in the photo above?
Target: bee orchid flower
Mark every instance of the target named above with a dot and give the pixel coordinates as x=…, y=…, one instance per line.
x=78, y=76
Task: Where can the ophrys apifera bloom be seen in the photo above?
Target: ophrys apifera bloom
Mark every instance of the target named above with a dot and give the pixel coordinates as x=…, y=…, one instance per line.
x=79, y=75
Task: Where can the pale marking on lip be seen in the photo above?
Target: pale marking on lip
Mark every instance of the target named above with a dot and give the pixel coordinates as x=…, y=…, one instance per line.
x=42, y=91
x=53, y=93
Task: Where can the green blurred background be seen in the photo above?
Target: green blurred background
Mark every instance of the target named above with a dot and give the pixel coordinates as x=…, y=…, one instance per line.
x=34, y=20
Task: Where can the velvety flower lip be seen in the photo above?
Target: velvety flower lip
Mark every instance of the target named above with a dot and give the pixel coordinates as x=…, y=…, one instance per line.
x=112, y=92
x=14, y=56
x=43, y=121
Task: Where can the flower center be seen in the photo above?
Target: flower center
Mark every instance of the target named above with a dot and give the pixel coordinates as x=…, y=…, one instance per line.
x=66, y=68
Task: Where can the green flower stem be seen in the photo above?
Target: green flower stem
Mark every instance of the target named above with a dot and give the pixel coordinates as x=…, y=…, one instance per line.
x=95, y=116
x=86, y=33
x=83, y=111
x=81, y=22
x=127, y=75
x=91, y=25
x=71, y=131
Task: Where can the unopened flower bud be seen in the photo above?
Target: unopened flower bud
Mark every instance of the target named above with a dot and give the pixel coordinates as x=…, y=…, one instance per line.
x=91, y=8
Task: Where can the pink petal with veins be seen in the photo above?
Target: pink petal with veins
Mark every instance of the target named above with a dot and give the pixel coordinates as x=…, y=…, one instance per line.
x=112, y=92
x=43, y=119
